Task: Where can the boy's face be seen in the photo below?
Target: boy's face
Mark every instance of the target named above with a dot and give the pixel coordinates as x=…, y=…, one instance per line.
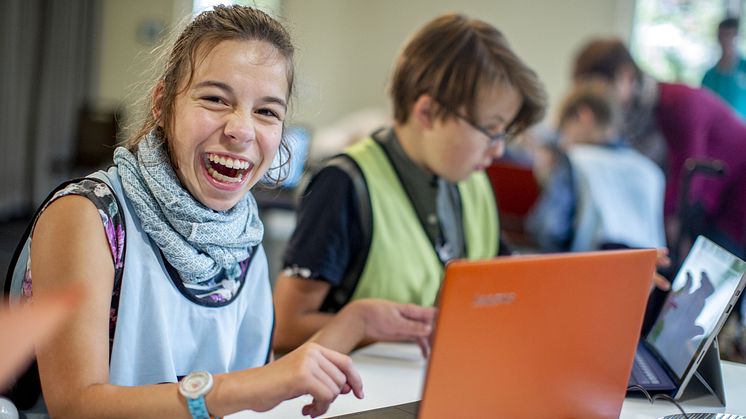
x=727, y=38
x=457, y=147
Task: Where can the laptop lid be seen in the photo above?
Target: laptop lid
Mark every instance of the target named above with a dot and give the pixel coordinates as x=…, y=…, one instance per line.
x=703, y=293
x=537, y=336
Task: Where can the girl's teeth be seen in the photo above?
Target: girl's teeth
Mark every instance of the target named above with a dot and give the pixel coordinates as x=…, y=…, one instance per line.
x=223, y=178
x=228, y=163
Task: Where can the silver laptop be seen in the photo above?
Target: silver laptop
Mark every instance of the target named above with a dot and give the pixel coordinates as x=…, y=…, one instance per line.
x=681, y=348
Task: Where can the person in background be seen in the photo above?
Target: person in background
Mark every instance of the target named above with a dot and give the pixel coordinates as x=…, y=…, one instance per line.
x=728, y=77
x=379, y=222
x=670, y=123
x=178, y=318
x=598, y=192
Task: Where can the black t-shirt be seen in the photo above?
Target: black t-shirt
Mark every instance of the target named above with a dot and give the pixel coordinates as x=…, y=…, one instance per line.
x=328, y=231
x=330, y=241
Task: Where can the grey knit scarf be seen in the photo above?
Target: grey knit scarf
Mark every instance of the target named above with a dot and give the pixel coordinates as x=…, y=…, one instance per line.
x=195, y=239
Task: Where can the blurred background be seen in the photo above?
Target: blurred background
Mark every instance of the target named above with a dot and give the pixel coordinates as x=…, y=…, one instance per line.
x=72, y=72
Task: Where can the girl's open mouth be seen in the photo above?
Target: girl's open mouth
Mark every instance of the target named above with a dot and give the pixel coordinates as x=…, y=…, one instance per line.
x=226, y=169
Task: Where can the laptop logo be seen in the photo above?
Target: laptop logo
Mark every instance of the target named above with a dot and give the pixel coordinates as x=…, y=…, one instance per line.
x=490, y=300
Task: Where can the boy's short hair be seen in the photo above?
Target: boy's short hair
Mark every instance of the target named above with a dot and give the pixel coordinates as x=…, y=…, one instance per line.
x=729, y=23
x=451, y=59
x=594, y=94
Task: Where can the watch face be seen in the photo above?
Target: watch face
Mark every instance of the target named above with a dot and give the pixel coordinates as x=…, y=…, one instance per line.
x=196, y=384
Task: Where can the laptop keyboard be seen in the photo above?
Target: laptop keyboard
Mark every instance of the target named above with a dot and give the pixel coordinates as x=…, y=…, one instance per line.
x=642, y=372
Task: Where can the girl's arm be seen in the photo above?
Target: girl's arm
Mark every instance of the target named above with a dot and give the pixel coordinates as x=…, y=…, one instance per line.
x=69, y=246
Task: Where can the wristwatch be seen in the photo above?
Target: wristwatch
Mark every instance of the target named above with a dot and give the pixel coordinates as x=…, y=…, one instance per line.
x=194, y=387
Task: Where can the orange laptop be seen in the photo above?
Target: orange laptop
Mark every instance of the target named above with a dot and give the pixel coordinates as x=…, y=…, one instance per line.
x=538, y=336
x=549, y=336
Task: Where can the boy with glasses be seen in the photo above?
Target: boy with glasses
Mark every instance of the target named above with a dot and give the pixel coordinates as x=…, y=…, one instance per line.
x=378, y=223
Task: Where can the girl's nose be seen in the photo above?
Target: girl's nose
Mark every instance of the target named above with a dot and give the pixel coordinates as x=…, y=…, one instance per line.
x=240, y=127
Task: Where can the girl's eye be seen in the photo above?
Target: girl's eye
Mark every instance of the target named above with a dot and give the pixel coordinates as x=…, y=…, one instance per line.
x=269, y=112
x=214, y=99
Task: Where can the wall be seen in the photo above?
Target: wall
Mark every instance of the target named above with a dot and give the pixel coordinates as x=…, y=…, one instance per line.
x=346, y=47
x=125, y=58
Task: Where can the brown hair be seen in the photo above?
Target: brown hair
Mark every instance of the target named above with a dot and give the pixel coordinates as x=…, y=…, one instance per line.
x=451, y=58
x=596, y=95
x=207, y=30
x=603, y=58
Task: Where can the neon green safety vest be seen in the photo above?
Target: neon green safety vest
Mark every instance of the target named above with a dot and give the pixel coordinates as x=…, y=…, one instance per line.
x=402, y=264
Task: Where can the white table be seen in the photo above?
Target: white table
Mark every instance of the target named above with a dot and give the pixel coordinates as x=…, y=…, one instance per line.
x=394, y=373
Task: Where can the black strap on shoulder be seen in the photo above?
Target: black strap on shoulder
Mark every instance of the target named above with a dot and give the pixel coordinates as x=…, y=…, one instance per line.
x=27, y=233
x=340, y=295
x=25, y=391
x=26, y=388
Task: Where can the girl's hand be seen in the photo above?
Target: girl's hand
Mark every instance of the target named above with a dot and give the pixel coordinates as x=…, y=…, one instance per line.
x=311, y=369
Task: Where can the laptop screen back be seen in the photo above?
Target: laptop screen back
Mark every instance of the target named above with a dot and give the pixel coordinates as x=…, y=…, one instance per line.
x=537, y=336
x=696, y=307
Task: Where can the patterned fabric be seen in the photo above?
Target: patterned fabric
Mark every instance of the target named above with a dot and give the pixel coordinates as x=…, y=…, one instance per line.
x=196, y=240
x=212, y=292
x=216, y=291
x=113, y=223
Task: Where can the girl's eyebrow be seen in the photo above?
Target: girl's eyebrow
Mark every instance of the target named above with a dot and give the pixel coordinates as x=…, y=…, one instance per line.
x=228, y=89
x=274, y=99
x=213, y=83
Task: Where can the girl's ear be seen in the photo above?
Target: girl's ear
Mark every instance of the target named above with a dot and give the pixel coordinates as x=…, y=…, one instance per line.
x=156, y=104
x=423, y=111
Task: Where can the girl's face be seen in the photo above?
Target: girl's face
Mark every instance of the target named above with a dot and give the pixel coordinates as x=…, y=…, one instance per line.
x=228, y=122
x=459, y=146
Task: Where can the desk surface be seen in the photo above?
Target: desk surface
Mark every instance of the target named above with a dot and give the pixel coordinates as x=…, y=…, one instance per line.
x=394, y=373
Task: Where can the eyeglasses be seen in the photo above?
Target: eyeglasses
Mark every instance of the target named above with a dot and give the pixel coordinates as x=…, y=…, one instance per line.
x=494, y=139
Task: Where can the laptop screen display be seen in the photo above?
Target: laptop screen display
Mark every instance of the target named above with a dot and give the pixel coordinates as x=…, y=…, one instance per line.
x=700, y=295
x=290, y=168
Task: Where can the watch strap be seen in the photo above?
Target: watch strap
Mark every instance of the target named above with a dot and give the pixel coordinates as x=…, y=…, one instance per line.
x=198, y=408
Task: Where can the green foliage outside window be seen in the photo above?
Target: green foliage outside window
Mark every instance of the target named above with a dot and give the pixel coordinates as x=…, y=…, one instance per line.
x=676, y=40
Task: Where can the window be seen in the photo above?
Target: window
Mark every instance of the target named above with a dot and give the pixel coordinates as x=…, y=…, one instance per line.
x=676, y=40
